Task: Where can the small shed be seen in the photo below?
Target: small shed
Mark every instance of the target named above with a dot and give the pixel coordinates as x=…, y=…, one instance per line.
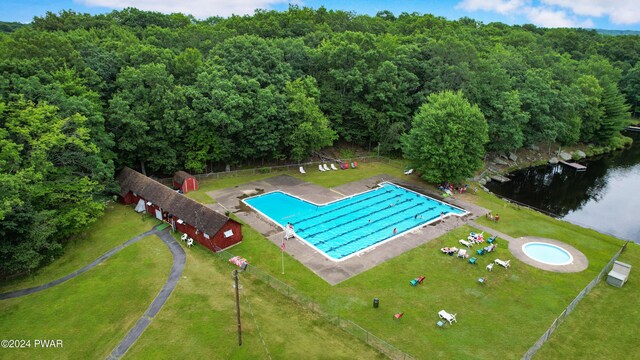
x=618, y=274
x=185, y=181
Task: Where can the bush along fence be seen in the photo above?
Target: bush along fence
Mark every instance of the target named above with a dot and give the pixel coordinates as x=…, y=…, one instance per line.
x=309, y=166
x=532, y=351
x=347, y=325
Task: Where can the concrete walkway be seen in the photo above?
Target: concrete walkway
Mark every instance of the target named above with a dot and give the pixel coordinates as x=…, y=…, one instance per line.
x=179, y=260
x=579, y=263
x=88, y=267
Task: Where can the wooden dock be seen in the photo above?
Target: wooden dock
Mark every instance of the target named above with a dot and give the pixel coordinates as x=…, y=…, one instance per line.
x=578, y=167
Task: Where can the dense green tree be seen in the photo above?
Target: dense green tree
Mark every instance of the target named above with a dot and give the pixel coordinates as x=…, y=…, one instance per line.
x=310, y=130
x=630, y=86
x=142, y=118
x=447, y=137
x=49, y=172
x=589, y=108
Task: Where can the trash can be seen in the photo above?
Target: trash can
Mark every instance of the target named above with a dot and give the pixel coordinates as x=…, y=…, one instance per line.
x=376, y=302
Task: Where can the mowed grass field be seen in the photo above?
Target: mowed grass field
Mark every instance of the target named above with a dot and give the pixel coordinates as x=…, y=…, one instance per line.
x=116, y=226
x=499, y=319
x=199, y=321
x=91, y=313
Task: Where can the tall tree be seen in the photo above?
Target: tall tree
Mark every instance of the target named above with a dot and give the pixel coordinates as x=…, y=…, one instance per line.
x=51, y=188
x=310, y=128
x=446, y=141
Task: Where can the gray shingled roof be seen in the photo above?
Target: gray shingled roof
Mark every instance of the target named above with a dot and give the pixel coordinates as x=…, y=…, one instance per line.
x=192, y=212
x=181, y=176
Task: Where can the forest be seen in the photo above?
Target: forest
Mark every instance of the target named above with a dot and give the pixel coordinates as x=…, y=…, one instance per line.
x=81, y=96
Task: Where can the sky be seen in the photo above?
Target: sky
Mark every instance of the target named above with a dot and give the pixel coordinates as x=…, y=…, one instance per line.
x=600, y=14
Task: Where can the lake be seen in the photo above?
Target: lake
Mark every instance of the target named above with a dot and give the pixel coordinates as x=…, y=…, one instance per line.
x=605, y=197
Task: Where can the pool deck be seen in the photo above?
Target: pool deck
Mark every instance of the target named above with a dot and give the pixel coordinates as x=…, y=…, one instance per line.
x=580, y=261
x=331, y=271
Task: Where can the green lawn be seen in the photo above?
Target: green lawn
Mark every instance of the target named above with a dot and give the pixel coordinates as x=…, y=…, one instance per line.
x=92, y=313
x=200, y=320
x=117, y=225
x=328, y=179
x=602, y=326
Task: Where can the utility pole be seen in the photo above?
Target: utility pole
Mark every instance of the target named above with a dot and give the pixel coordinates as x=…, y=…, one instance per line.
x=235, y=277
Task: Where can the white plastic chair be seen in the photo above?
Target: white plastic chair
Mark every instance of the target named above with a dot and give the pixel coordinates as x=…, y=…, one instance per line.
x=449, y=317
x=408, y=172
x=503, y=263
x=189, y=242
x=326, y=168
x=462, y=253
x=333, y=167
x=183, y=237
x=320, y=167
x=465, y=243
x=302, y=170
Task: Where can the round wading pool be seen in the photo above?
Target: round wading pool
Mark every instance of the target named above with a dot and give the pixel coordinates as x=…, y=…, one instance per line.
x=547, y=253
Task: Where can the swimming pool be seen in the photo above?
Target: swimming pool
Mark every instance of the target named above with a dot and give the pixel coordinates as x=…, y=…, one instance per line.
x=345, y=227
x=547, y=253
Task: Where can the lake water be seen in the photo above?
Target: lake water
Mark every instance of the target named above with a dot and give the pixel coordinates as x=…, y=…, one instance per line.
x=605, y=197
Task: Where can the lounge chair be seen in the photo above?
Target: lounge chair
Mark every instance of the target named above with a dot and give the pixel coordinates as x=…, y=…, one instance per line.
x=333, y=167
x=462, y=253
x=344, y=166
x=354, y=165
x=503, y=263
x=473, y=260
x=398, y=315
x=302, y=170
x=465, y=243
x=326, y=168
x=320, y=167
x=446, y=316
x=492, y=239
x=408, y=172
x=417, y=281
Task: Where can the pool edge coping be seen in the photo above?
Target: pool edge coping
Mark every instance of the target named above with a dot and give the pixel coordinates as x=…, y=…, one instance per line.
x=580, y=261
x=370, y=247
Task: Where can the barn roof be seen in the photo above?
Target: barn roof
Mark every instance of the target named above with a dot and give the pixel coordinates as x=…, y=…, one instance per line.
x=181, y=176
x=192, y=212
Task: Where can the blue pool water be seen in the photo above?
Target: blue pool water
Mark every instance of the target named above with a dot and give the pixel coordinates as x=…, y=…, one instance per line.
x=347, y=226
x=547, y=253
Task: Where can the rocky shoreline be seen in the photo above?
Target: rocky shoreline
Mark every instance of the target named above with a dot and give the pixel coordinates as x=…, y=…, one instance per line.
x=497, y=165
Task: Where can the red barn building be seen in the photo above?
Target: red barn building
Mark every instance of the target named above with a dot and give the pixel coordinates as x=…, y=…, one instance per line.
x=184, y=181
x=211, y=229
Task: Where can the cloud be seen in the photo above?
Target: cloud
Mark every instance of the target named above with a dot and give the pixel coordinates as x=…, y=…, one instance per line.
x=561, y=13
x=623, y=12
x=198, y=8
x=546, y=17
x=504, y=7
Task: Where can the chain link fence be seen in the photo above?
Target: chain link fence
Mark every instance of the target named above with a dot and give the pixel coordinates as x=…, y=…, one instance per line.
x=532, y=351
x=347, y=325
x=309, y=166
